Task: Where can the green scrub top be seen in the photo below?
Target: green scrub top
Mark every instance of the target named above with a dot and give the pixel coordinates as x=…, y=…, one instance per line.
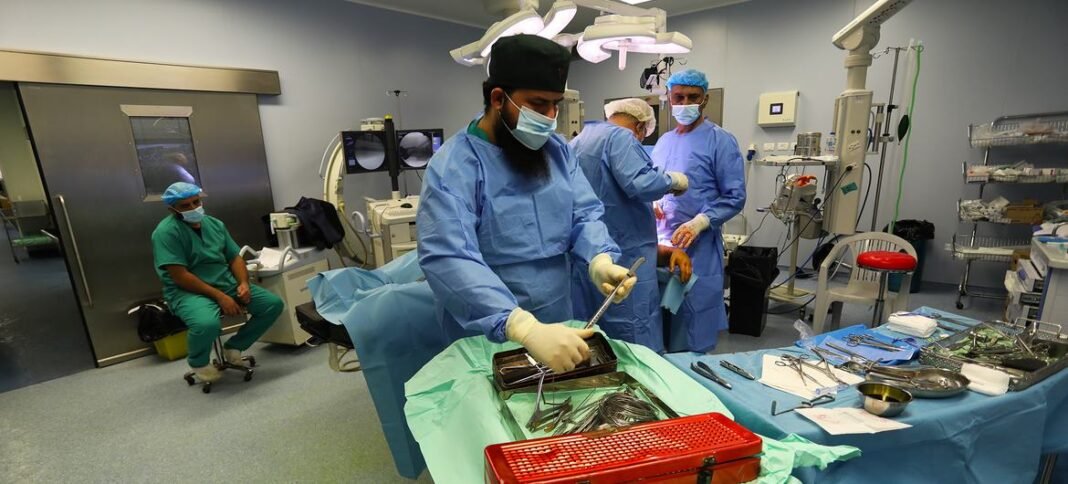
x=206, y=255
x=474, y=130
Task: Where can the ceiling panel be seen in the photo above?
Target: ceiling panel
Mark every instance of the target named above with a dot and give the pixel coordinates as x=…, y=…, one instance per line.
x=471, y=12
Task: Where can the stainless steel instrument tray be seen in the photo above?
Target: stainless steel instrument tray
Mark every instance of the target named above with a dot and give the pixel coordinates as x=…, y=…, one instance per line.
x=936, y=354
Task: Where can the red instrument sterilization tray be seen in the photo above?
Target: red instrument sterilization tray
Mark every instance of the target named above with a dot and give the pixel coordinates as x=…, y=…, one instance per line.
x=709, y=446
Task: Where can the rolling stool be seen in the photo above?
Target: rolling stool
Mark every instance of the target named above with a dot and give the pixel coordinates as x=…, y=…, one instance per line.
x=885, y=263
x=220, y=360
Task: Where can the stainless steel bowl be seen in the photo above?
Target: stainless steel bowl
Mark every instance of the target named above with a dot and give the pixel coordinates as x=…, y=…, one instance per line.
x=884, y=400
x=921, y=382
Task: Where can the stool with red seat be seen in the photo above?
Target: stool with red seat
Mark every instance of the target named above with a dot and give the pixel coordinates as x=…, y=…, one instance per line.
x=885, y=263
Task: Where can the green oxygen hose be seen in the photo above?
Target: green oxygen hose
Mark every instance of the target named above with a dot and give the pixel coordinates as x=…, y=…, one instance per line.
x=908, y=137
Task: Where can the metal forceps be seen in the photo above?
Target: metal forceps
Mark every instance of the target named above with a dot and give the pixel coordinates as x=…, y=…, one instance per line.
x=552, y=415
x=796, y=363
x=538, y=369
x=804, y=404
x=826, y=369
x=853, y=358
x=870, y=341
x=608, y=299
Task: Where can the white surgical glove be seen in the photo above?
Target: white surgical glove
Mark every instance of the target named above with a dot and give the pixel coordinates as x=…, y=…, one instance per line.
x=606, y=275
x=686, y=233
x=557, y=346
x=679, y=183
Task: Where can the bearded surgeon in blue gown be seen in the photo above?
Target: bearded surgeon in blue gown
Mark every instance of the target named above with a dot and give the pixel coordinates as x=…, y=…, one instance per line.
x=711, y=160
x=505, y=209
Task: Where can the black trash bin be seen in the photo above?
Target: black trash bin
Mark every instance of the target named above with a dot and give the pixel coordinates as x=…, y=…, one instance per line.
x=751, y=271
x=916, y=233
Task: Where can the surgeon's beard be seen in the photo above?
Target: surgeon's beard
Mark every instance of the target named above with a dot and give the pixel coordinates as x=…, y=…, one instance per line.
x=531, y=164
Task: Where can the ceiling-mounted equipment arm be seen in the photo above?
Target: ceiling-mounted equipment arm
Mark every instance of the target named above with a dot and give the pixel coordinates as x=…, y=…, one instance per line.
x=851, y=114
x=860, y=36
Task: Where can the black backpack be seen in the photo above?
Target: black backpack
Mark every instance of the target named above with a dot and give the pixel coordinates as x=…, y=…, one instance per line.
x=155, y=321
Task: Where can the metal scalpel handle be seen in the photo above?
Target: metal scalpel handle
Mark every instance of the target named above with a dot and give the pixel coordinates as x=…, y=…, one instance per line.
x=608, y=300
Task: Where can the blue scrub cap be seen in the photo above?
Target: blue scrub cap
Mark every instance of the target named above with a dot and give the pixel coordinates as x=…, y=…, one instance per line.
x=688, y=77
x=179, y=191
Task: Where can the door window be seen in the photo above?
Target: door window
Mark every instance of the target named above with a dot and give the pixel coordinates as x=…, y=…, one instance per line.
x=164, y=145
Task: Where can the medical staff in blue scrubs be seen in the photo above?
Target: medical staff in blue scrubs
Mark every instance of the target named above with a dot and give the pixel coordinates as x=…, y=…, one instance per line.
x=505, y=208
x=624, y=178
x=710, y=158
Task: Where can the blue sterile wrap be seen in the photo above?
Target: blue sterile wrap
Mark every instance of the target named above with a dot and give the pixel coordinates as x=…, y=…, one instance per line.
x=389, y=314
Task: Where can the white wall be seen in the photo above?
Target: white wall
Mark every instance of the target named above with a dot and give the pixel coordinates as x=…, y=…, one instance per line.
x=983, y=58
x=336, y=60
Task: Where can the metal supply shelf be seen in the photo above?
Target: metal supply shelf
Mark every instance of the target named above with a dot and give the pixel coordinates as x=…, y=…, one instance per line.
x=962, y=218
x=1060, y=177
x=1018, y=130
x=991, y=249
x=1014, y=130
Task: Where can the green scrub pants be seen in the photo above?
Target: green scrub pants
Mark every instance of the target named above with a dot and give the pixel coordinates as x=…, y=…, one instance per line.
x=203, y=317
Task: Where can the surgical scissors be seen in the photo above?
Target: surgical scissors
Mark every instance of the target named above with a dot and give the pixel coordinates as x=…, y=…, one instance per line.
x=797, y=363
x=868, y=340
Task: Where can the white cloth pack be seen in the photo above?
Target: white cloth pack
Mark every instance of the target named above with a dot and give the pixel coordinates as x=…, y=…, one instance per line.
x=987, y=381
x=912, y=324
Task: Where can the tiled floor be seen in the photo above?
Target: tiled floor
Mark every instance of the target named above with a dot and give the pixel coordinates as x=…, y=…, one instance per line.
x=296, y=421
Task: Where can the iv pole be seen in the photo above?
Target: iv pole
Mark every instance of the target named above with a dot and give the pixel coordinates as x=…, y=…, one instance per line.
x=885, y=138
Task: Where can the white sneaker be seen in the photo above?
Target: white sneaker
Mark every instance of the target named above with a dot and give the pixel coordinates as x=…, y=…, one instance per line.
x=207, y=374
x=233, y=356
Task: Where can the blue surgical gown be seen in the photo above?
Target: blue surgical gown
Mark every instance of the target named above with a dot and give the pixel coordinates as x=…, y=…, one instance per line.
x=491, y=240
x=623, y=177
x=710, y=157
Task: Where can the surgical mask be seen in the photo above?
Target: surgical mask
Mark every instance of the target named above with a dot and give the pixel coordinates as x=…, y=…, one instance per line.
x=686, y=114
x=532, y=129
x=193, y=216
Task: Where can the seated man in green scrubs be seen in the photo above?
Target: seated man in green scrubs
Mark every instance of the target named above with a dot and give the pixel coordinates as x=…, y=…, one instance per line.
x=204, y=276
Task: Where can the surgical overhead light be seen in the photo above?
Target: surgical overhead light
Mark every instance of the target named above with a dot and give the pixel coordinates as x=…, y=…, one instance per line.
x=628, y=34
x=561, y=14
x=630, y=29
x=521, y=22
x=525, y=21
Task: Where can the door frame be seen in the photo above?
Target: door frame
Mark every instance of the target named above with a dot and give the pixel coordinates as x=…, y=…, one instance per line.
x=19, y=67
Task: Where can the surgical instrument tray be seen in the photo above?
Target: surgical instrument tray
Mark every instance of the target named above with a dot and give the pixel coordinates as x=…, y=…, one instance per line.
x=993, y=343
x=513, y=369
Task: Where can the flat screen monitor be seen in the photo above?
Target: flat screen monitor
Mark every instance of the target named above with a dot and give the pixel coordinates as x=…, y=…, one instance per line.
x=415, y=147
x=365, y=151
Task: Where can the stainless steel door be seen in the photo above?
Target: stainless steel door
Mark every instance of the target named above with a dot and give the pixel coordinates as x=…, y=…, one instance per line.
x=92, y=145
